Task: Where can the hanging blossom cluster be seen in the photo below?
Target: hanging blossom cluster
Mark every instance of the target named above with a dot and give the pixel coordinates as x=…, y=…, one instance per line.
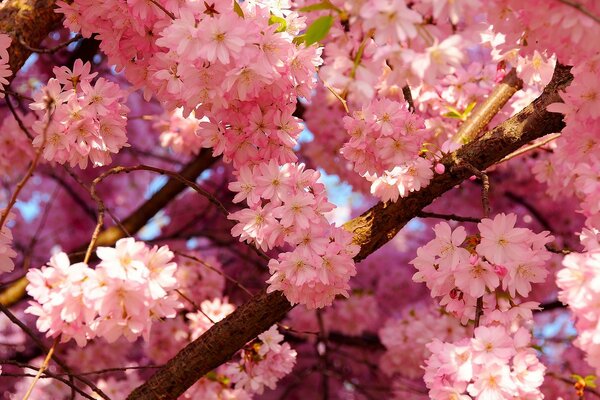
x=239, y=71
x=245, y=117
x=6, y=251
x=286, y=206
x=572, y=168
x=460, y=269
x=16, y=150
x=130, y=287
x=385, y=142
x=391, y=43
x=82, y=120
x=493, y=365
x=262, y=364
x=578, y=281
x=179, y=132
x=5, y=71
x=210, y=312
x=208, y=270
x=406, y=339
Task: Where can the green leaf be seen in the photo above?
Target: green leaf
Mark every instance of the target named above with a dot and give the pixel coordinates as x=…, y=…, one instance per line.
x=453, y=114
x=469, y=108
x=537, y=347
x=590, y=381
x=318, y=29
x=576, y=377
x=325, y=5
x=238, y=10
x=299, y=39
x=274, y=19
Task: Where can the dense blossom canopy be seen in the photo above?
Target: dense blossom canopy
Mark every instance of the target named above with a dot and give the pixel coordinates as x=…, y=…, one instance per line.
x=298, y=199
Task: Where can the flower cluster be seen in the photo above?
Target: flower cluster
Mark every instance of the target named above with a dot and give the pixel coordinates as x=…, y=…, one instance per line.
x=501, y=257
x=209, y=314
x=287, y=206
x=385, y=143
x=207, y=270
x=5, y=71
x=578, y=281
x=406, y=339
x=81, y=120
x=15, y=148
x=237, y=69
x=179, y=132
x=130, y=287
x=493, y=365
x=263, y=363
x=572, y=168
x=6, y=251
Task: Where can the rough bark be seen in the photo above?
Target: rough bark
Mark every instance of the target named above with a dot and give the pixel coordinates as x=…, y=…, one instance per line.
x=29, y=21
x=371, y=230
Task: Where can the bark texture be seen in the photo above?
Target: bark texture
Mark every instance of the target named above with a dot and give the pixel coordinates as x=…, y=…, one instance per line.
x=371, y=230
x=28, y=21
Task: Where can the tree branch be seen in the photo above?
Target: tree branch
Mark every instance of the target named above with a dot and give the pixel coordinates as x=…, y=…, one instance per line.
x=28, y=21
x=371, y=230
x=134, y=222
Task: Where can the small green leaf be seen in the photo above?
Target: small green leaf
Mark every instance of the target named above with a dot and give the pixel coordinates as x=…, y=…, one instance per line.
x=453, y=114
x=590, y=381
x=469, y=108
x=212, y=376
x=274, y=19
x=324, y=5
x=577, y=377
x=299, y=39
x=238, y=10
x=318, y=29
x=537, y=347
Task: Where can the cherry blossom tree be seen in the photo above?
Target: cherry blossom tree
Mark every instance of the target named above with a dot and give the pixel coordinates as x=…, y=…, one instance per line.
x=299, y=199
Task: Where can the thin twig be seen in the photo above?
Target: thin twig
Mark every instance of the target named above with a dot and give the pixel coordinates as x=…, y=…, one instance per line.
x=157, y=4
x=337, y=96
x=43, y=367
x=21, y=184
x=196, y=306
x=485, y=200
x=56, y=359
x=323, y=356
x=484, y=112
x=478, y=312
x=533, y=146
x=212, y=268
x=50, y=49
x=9, y=92
x=408, y=97
x=485, y=188
x=571, y=382
x=581, y=8
x=448, y=217
x=52, y=376
x=18, y=118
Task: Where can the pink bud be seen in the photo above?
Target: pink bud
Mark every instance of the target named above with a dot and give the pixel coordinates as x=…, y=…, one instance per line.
x=473, y=259
x=454, y=294
x=500, y=270
x=440, y=168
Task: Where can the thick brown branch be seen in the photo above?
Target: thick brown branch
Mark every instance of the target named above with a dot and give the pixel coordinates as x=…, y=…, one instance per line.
x=371, y=230
x=28, y=21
